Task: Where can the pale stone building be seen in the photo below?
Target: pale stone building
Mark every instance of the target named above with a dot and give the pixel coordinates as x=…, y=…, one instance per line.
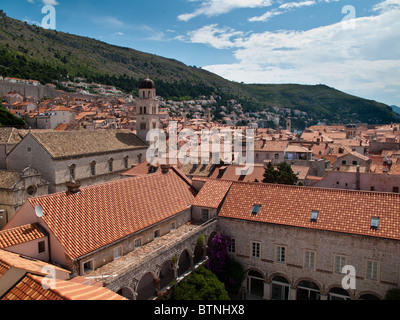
x=16, y=187
x=89, y=227
x=54, y=117
x=9, y=138
x=147, y=111
x=87, y=156
x=293, y=242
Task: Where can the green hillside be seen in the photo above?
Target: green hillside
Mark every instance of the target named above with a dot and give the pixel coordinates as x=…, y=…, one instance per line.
x=7, y=119
x=28, y=51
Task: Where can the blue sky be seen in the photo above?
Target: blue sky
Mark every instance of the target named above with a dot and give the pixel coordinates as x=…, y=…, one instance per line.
x=351, y=45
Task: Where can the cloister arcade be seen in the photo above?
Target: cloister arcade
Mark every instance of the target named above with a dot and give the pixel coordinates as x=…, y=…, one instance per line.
x=278, y=286
x=154, y=276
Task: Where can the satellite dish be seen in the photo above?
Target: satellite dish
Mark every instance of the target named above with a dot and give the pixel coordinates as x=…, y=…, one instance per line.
x=39, y=211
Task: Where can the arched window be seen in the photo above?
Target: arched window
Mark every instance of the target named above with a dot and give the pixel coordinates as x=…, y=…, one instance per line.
x=93, y=168
x=126, y=162
x=110, y=164
x=72, y=171
x=308, y=290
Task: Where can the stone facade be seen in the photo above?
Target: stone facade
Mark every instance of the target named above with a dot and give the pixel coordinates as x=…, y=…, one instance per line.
x=129, y=244
x=16, y=188
x=147, y=112
x=153, y=275
x=357, y=251
x=365, y=181
x=88, y=169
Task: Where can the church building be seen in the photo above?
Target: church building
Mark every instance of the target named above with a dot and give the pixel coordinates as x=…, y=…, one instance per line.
x=147, y=113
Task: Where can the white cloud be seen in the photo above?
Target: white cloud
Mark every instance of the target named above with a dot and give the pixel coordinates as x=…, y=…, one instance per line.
x=217, y=7
x=364, y=61
x=50, y=2
x=219, y=38
x=290, y=5
x=387, y=5
x=285, y=7
x=113, y=21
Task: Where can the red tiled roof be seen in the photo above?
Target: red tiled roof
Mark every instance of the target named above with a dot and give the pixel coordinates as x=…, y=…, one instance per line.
x=104, y=213
x=18, y=235
x=277, y=145
x=339, y=210
x=4, y=267
x=28, y=288
x=31, y=287
x=212, y=193
x=10, y=259
x=142, y=168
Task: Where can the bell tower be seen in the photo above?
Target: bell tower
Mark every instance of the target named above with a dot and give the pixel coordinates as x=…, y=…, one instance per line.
x=147, y=114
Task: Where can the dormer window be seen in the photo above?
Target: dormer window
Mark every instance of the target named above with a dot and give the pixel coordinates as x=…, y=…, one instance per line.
x=314, y=216
x=375, y=223
x=256, y=209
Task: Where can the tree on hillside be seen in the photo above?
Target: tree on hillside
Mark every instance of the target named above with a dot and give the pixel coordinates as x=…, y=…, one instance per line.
x=8, y=119
x=282, y=175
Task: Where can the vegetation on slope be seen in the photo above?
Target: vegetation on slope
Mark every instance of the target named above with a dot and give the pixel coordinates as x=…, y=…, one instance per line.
x=28, y=51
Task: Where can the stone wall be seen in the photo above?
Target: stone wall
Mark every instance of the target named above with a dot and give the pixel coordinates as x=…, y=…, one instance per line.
x=38, y=92
x=130, y=278
x=326, y=245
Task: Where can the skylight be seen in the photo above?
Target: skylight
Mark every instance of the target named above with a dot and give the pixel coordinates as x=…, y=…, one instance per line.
x=314, y=216
x=375, y=223
x=256, y=209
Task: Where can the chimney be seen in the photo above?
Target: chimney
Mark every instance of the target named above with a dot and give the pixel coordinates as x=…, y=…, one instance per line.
x=358, y=178
x=165, y=168
x=264, y=141
x=73, y=187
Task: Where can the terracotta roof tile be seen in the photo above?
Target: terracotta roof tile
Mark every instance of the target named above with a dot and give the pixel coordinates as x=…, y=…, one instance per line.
x=104, y=213
x=9, y=178
x=212, y=193
x=18, y=235
x=30, y=288
x=10, y=259
x=4, y=267
x=339, y=210
x=61, y=144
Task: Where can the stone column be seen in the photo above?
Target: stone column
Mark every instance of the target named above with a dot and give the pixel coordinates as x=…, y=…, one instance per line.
x=293, y=293
x=191, y=259
x=175, y=269
x=157, y=284
x=267, y=291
